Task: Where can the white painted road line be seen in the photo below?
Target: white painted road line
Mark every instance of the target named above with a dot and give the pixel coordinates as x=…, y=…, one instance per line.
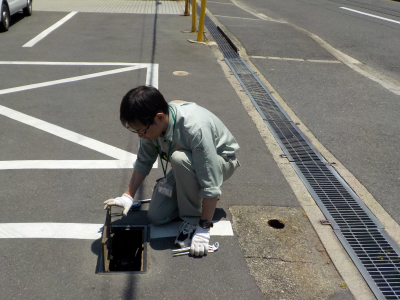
x=370, y=15
x=66, y=80
x=68, y=134
x=152, y=75
x=221, y=228
x=237, y=18
x=220, y=3
x=278, y=58
x=43, y=34
x=55, y=63
x=66, y=164
x=125, y=160
x=91, y=231
x=50, y=231
x=298, y=59
x=325, y=61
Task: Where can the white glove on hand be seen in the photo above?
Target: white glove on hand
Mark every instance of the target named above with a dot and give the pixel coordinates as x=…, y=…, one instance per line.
x=200, y=240
x=125, y=201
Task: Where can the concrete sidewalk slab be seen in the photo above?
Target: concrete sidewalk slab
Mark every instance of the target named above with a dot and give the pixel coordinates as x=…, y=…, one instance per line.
x=287, y=261
x=110, y=6
x=267, y=38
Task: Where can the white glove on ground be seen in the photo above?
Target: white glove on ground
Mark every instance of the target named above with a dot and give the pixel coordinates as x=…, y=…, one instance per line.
x=200, y=242
x=125, y=201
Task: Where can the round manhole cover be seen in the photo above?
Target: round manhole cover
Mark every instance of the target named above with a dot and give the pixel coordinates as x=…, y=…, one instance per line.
x=180, y=73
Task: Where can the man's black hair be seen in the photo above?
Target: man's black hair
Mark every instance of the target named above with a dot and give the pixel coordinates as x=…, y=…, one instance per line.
x=142, y=104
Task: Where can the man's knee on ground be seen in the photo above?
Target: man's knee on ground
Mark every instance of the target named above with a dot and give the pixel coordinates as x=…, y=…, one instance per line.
x=155, y=219
x=179, y=157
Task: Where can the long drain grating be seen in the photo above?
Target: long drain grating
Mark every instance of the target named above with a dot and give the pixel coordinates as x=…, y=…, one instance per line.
x=374, y=253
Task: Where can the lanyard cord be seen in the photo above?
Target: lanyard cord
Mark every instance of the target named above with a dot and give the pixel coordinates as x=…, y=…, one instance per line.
x=169, y=150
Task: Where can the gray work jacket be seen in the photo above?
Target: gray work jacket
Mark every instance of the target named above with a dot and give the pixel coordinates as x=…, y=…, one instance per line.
x=196, y=130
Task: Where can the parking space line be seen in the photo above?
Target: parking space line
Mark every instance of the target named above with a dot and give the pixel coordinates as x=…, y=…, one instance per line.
x=66, y=134
x=220, y=228
x=151, y=77
x=67, y=164
x=54, y=63
x=123, y=158
x=51, y=231
x=65, y=80
x=91, y=231
x=46, y=32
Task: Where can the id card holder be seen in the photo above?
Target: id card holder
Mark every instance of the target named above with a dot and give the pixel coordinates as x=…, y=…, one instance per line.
x=164, y=188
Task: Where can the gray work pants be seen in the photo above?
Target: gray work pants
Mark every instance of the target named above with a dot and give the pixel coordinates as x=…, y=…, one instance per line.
x=185, y=201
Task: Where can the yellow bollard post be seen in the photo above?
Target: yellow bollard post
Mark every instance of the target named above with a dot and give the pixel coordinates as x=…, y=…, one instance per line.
x=186, y=13
x=201, y=21
x=194, y=16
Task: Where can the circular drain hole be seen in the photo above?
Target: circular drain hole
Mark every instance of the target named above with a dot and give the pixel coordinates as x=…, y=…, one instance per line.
x=276, y=224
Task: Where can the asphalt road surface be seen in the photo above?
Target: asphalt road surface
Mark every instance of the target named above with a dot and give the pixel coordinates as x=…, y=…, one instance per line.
x=70, y=83
x=64, y=152
x=354, y=117
x=367, y=30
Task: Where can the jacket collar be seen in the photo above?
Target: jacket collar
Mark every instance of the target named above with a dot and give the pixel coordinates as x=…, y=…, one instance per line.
x=169, y=133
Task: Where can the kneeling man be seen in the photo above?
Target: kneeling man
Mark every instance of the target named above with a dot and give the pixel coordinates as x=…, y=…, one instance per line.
x=201, y=152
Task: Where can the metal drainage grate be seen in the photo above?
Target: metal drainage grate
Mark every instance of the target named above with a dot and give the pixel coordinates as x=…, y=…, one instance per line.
x=374, y=253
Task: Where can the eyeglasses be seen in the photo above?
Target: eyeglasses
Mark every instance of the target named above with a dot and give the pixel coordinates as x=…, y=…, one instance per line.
x=138, y=132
